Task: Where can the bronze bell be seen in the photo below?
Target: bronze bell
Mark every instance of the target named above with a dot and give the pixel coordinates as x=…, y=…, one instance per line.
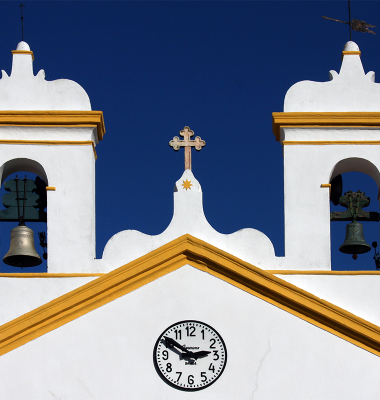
x=22, y=252
x=354, y=243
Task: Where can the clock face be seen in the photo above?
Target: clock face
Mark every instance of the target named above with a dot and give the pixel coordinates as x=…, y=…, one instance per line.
x=190, y=355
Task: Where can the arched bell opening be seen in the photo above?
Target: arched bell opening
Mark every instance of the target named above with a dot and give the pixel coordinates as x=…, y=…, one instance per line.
x=23, y=195
x=362, y=177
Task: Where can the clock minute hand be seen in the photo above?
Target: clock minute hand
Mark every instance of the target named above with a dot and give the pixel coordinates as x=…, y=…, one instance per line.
x=174, y=343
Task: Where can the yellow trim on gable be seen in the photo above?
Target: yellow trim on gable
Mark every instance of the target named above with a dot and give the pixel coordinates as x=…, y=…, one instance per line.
x=323, y=120
x=55, y=119
x=320, y=272
x=329, y=142
x=54, y=143
x=189, y=250
x=23, y=52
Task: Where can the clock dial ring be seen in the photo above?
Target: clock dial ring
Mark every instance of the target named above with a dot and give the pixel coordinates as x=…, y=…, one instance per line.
x=190, y=355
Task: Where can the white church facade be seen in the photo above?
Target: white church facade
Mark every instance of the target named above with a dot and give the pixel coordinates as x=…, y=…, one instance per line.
x=189, y=313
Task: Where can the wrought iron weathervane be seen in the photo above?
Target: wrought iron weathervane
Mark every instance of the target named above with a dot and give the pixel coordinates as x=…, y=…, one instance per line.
x=22, y=21
x=354, y=24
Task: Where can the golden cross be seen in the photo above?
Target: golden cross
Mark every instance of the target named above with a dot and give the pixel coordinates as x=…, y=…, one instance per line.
x=187, y=143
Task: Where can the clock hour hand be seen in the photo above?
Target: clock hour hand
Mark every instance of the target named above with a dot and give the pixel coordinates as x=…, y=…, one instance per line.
x=175, y=344
x=200, y=354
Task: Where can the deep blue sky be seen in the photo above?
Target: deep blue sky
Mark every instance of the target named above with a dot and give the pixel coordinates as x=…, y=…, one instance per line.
x=221, y=68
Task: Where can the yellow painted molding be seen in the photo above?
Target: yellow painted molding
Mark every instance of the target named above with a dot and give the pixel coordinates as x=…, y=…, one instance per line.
x=321, y=272
x=52, y=188
x=54, y=143
x=55, y=119
x=351, y=53
x=189, y=250
x=48, y=275
x=326, y=185
x=323, y=120
x=329, y=142
x=23, y=52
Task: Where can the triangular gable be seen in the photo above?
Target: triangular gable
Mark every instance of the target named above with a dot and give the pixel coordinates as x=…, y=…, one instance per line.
x=199, y=254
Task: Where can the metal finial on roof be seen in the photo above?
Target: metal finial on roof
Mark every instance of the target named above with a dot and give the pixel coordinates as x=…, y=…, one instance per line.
x=354, y=24
x=22, y=21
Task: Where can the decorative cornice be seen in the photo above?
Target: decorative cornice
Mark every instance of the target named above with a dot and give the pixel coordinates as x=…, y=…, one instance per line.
x=55, y=119
x=189, y=250
x=323, y=120
x=319, y=272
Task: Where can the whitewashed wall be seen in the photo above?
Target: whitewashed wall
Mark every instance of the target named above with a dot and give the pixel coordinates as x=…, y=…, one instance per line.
x=71, y=207
x=108, y=353
x=307, y=204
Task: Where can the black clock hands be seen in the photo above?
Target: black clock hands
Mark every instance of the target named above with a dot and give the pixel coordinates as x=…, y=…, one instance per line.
x=201, y=354
x=190, y=354
x=176, y=344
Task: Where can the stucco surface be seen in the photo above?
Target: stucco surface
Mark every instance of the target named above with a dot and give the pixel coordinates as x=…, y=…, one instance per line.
x=22, y=90
x=108, y=353
x=358, y=294
x=350, y=90
x=307, y=205
x=21, y=295
x=188, y=218
x=71, y=207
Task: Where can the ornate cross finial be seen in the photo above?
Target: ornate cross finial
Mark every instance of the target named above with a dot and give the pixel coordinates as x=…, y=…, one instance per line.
x=22, y=21
x=187, y=143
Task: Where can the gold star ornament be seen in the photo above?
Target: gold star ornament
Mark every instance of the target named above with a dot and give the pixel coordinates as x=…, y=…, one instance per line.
x=186, y=184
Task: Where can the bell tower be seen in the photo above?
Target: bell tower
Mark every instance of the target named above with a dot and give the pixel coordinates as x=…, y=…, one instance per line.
x=326, y=129
x=48, y=128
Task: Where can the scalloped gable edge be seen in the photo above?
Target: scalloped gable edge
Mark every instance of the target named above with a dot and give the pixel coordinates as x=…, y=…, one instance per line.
x=199, y=254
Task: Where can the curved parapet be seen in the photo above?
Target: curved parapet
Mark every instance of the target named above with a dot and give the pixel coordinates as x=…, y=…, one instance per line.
x=249, y=245
x=350, y=90
x=23, y=90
